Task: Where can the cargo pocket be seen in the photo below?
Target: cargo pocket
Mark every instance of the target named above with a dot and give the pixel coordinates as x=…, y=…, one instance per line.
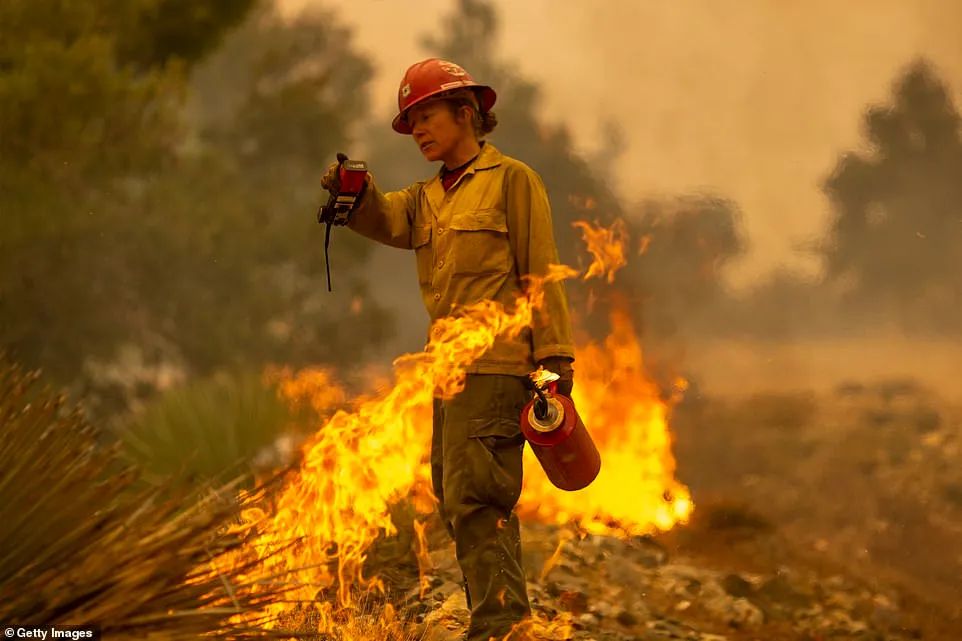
x=496, y=433
x=480, y=242
x=497, y=459
x=421, y=241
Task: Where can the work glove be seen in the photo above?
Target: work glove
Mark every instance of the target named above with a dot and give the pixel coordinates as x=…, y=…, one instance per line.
x=561, y=365
x=330, y=180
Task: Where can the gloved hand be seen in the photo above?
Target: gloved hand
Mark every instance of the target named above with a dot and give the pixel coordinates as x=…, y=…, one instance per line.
x=330, y=180
x=561, y=365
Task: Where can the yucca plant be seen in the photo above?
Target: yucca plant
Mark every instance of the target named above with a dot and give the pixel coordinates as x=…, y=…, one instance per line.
x=222, y=427
x=82, y=544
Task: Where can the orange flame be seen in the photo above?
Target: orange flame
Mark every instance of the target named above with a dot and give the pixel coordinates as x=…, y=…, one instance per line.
x=317, y=535
x=607, y=245
x=644, y=243
x=423, y=558
x=552, y=561
x=635, y=492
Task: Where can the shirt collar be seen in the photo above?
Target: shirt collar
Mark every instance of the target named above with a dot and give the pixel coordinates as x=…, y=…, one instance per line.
x=488, y=158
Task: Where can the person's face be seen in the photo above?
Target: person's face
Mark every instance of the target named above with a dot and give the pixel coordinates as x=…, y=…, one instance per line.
x=436, y=130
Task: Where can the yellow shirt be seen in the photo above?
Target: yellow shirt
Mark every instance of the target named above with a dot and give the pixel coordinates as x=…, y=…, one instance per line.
x=473, y=243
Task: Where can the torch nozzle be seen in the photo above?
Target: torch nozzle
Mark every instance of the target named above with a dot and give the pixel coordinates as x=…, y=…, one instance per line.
x=536, y=386
x=541, y=405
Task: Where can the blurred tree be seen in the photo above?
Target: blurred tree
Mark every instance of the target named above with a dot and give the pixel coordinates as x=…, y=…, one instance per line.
x=269, y=111
x=691, y=239
x=83, y=121
x=193, y=238
x=895, y=240
x=685, y=244
x=78, y=77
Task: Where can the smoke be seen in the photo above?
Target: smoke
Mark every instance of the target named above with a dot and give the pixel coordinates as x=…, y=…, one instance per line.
x=752, y=100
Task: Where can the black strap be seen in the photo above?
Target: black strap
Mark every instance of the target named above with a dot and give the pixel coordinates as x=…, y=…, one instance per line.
x=327, y=258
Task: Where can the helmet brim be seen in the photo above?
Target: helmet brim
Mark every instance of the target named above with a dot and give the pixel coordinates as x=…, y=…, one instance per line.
x=486, y=99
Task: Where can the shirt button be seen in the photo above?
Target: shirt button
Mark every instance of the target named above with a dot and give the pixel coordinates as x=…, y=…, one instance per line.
x=440, y=263
x=437, y=296
x=440, y=230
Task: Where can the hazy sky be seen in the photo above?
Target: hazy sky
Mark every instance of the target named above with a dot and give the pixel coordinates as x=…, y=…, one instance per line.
x=752, y=99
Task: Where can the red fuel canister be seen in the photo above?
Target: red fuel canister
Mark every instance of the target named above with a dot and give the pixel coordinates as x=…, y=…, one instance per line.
x=561, y=442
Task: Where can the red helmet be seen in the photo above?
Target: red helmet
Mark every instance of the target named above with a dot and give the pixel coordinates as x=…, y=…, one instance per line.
x=429, y=78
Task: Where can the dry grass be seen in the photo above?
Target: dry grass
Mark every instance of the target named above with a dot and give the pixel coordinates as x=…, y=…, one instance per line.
x=81, y=544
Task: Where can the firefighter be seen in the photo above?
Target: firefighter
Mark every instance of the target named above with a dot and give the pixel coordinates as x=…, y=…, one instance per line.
x=477, y=228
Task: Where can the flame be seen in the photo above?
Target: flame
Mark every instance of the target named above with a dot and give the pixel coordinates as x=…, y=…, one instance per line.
x=316, y=387
x=422, y=556
x=607, y=245
x=566, y=535
x=643, y=244
x=635, y=492
x=316, y=533
x=538, y=628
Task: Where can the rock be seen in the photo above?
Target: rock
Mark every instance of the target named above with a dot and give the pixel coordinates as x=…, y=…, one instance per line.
x=735, y=612
x=553, y=589
x=885, y=613
x=444, y=562
x=670, y=629
x=681, y=580
x=602, y=609
x=746, y=614
x=622, y=571
x=777, y=596
x=626, y=618
x=575, y=602
x=648, y=552
x=737, y=586
x=453, y=609
x=438, y=633
x=587, y=620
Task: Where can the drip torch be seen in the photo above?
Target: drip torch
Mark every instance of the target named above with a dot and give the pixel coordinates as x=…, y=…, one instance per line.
x=345, y=195
x=557, y=435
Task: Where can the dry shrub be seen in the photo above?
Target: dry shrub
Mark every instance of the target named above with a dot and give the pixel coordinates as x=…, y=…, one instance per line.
x=83, y=544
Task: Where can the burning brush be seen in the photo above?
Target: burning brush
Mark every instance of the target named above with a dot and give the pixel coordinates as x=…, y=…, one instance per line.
x=315, y=535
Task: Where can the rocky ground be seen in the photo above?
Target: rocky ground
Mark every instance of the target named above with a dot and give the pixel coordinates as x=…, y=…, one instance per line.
x=647, y=589
x=818, y=517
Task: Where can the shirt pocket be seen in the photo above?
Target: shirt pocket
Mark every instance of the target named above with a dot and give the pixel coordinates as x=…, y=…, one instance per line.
x=421, y=241
x=480, y=243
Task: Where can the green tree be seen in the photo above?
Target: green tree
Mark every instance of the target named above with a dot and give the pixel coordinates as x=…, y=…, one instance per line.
x=189, y=234
x=84, y=118
x=89, y=87
x=895, y=241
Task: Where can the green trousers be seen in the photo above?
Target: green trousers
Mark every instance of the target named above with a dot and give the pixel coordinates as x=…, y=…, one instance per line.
x=476, y=472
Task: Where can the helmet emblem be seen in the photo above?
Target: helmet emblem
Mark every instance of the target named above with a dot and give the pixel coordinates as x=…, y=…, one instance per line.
x=406, y=90
x=452, y=69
